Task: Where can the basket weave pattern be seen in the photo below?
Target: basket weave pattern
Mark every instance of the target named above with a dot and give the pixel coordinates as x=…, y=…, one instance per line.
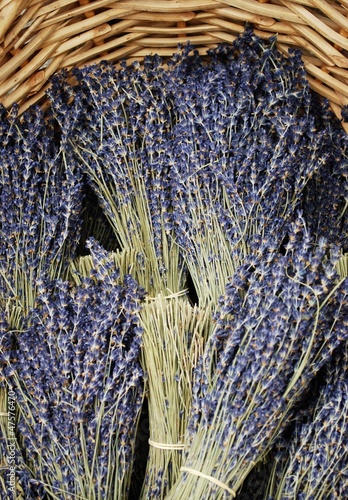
x=37, y=38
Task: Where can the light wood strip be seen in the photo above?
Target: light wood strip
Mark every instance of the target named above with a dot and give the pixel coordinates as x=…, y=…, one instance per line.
x=28, y=33
x=91, y=54
x=325, y=78
x=60, y=4
x=338, y=71
x=312, y=49
x=238, y=15
x=173, y=30
x=27, y=16
x=168, y=6
x=331, y=13
x=119, y=28
x=323, y=90
x=301, y=2
x=320, y=27
x=266, y=9
x=9, y=10
x=323, y=45
x=76, y=12
x=279, y=28
x=322, y=17
x=154, y=42
x=162, y=16
x=85, y=37
x=27, y=71
x=35, y=43
x=86, y=24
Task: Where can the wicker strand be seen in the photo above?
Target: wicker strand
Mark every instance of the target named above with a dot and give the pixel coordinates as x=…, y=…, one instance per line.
x=38, y=38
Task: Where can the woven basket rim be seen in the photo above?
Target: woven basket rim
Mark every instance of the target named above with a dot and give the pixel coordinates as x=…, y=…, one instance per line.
x=39, y=38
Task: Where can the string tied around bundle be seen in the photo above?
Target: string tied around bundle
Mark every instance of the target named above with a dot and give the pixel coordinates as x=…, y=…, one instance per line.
x=209, y=478
x=166, y=446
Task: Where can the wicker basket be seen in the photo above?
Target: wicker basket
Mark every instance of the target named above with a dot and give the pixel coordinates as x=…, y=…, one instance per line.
x=38, y=37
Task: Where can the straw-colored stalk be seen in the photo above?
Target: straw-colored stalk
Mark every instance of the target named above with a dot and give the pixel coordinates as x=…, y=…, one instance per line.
x=174, y=336
x=342, y=266
x=130, y=219
x=213, y=257
x=125, y=261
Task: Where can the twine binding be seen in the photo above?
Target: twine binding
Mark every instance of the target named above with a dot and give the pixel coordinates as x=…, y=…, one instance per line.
x=166, y=446
x=209, y=478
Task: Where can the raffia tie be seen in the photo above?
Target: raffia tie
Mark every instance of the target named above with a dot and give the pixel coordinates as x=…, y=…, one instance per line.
x=209, y=478
x=166, y=446
x=3, y=414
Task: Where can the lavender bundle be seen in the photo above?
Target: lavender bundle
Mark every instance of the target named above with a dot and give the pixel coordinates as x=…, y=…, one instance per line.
x=78, y=384
x=325, y=200
x=120, y=141
x=17, y=481
x=174, y=337
x=314, y=462
x=40, y=199
x=280, y=320
x=174, y=334
x=246, y=143
x=40, y=212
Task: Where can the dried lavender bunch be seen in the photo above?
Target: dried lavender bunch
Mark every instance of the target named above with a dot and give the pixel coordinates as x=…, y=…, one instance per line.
x=16, y=479
x=123, y=260
x=174, y=337
x=309, y=464
x=314, y=462
x=40, y=214
x=124, y=122
x=78, y=383
x=280, y=320
x=246, y=143
x=40, y=199
x=325, y=200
